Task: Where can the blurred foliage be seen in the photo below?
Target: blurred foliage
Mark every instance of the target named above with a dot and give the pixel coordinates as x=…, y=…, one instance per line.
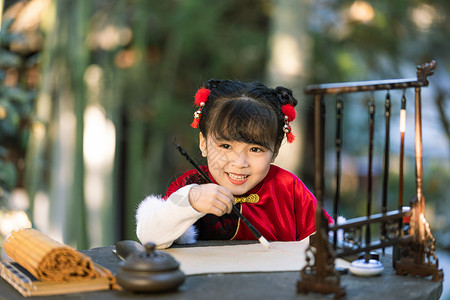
x=149, y=57
x=348, y=49
x=16, y=107
x=153, y=55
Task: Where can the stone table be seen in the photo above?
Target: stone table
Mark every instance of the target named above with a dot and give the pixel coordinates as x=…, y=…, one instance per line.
x=274, y=285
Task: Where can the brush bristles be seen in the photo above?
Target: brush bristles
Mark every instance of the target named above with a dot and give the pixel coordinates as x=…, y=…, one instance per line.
x=264, y=242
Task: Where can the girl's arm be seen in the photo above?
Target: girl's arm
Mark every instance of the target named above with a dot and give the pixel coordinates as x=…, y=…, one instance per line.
x=166, y=221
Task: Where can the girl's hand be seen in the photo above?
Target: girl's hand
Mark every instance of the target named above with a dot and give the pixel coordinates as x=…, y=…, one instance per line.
x=211, y=199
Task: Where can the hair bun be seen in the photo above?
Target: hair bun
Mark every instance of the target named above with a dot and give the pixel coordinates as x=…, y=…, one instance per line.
x=285, y=96
x=212, y=83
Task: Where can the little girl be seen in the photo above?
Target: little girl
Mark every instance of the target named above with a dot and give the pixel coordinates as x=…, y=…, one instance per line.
x=242, y=126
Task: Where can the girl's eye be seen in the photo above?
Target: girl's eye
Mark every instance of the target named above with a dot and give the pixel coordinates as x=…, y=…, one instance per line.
x=225, y=146
x=256, y=149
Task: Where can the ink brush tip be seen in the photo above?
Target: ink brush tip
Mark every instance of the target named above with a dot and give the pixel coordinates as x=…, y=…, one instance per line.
x=264, y=242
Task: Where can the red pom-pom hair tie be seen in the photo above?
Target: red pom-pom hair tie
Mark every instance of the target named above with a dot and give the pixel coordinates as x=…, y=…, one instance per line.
x=289, y=116
x=201, y=96
x=200, y=100
x=289, y=111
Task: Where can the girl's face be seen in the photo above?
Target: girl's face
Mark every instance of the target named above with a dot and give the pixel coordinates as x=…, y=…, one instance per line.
x=237, y=166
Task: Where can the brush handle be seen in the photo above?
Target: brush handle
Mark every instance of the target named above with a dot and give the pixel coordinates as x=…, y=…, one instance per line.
x=189, y=159
x=246, y=222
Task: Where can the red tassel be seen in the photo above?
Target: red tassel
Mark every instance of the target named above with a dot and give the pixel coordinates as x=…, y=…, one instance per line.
x=289, y=111
x=290, y=137
x=201, y=96
x=194, y=123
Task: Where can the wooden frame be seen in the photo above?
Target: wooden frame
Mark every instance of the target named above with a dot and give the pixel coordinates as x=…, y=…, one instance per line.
x=415, y=246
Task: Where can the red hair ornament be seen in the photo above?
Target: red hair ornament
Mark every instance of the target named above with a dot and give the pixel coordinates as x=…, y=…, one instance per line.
x=200, y=100
x=289, y=116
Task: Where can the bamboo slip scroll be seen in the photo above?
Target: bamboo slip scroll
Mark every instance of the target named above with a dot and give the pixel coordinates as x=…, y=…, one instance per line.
x=47, y=259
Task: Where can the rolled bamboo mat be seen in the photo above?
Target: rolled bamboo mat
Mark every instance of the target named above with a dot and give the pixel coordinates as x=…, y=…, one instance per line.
x=47, y=259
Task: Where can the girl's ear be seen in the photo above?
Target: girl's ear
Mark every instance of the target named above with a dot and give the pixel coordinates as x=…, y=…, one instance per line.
x=202, y=144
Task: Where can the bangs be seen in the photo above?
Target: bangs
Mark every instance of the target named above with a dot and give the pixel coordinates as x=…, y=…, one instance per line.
x=246, y=121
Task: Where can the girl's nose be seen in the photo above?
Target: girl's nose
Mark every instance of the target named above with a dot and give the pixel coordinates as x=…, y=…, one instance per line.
x=239, y=160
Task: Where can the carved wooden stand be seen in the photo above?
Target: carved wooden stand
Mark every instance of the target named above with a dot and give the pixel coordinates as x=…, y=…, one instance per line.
x=418, y=257
x=318, y=275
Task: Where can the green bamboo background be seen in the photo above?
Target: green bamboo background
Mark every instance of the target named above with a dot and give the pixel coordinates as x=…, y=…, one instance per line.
x=133, y=67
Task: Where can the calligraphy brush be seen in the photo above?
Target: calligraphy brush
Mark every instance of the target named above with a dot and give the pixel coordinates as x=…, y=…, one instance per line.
x=254, y=231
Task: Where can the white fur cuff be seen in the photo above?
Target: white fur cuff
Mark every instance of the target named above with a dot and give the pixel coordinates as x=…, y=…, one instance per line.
x=166, y=221
x=188, y=237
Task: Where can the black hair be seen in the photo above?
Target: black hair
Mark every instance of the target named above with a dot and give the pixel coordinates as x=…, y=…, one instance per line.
x=245, y=112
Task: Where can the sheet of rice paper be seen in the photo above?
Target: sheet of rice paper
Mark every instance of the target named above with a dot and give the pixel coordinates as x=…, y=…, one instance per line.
x=283, y=256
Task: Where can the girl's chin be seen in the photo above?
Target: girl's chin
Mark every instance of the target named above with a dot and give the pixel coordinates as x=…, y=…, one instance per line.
x=237, y=190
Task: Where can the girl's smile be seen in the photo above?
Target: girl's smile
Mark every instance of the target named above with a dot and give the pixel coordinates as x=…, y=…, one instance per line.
x=237, y=166
x=237, y=178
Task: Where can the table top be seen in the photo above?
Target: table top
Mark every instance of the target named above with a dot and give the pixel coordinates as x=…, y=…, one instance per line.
x=273, y=285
